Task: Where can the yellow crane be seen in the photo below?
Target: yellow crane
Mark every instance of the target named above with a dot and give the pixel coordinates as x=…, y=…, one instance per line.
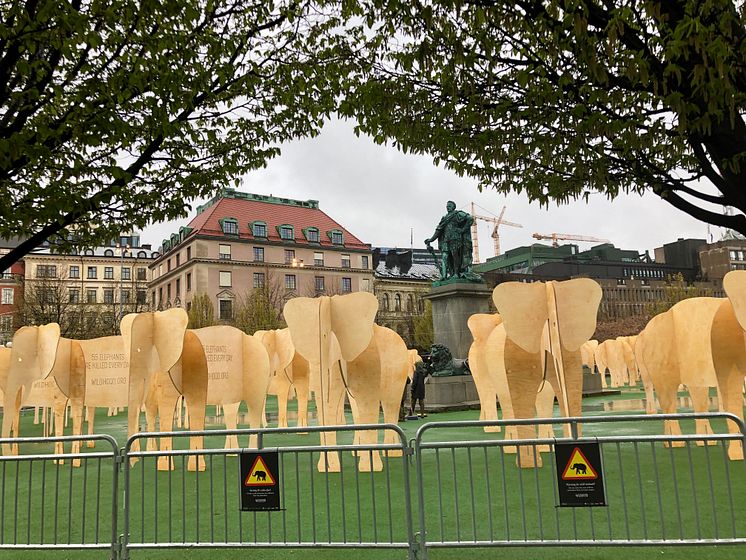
x=557, y=237
x=498, y=221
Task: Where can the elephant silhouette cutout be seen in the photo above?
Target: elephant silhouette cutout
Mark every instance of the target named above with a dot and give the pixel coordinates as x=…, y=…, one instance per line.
x=260, y=475
x=579, y=468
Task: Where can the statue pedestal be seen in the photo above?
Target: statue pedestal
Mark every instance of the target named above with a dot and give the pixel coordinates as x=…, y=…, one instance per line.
x=453, y=304
x=455, y=392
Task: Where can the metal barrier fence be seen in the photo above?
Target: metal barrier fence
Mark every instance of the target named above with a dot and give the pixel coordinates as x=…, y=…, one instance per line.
x=66, y=500
x=201, y=509
x=473, y=492
x=470, y=490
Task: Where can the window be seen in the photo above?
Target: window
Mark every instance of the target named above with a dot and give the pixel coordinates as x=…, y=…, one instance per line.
x=225, y=309
x=178, y=259
x=108, y=295
x=230, y=226
x=189, y=282
x=168, y=294
x=385, y=302
x=75, y=271
x=346, y=285
x=289, y=256
x=92, y=273
x=318, y=259
x=189, y=253
x=142, y=296
x=345, y=261
x=124, y=296
x=160, y=296
x=312, y=234
x=225, y=252
x=6, y=323
x=142, y=255
x=46, y=271
x=90, y=296
x=290, y=281
x=7, y=296
x=258, y=254
x=178, y=287
x=142, y=274
x=337, y=237
x=286, y=232
x=108, y=273
x=225, y=279
x=168, y=265
x=365, y=284
x=397, y=302
x=126, y=273
x=319, y=283
x=259, y=229
x=108, y=253
x=364, y=261
x=410, y=303
x=46, y=296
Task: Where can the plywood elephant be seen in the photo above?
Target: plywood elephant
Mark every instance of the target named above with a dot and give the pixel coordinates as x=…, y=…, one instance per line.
x=552, y=319
x=281, y=352
x=375, y=381
x=325, y=330
x=68, y=376
x=728, y=338
x=31, y=359
x=675, y=349
x=238, y=370
x=165, y=357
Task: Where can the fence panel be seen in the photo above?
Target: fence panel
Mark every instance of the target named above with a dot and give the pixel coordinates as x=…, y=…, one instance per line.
x=349, y=508
x=659, y=489
x=66, y=500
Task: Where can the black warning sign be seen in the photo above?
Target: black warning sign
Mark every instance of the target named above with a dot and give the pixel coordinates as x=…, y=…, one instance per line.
x=260, y=481
x=579, y=474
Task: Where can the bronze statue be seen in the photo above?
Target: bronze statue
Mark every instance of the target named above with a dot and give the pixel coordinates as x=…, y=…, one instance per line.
x=453, y=233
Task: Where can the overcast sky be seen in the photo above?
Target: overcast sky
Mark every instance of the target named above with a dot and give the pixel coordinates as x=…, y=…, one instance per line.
x=380, y=195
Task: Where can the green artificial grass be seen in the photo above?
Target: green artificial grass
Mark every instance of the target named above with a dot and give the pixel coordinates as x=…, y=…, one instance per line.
x=470, y=494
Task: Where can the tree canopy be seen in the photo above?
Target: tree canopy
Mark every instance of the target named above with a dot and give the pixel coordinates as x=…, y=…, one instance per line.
x=116, y=114
x=563, y=98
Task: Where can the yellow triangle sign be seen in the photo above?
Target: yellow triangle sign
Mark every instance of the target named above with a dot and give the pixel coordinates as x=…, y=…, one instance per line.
x=259, y=474
x=578, y=467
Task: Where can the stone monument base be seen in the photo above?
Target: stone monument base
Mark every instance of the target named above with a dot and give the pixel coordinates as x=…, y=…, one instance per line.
x=456, y=392
x=453, y=304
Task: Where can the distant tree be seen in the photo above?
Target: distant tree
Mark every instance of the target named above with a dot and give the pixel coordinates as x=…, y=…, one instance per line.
x=260, y=309
x=424, y=335
x=116, y=114
x=202, y=312
x=676, y=290
x=560, y=99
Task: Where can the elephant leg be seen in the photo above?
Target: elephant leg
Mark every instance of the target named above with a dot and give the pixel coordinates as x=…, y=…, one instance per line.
x=151, y=413
x=76, y=411
x=90, y=413
x=731, y=390
x=545, y=409
x=11, y=404
x=301, y=394
x=168, y=397
x=368, y=414
x=603, y=378
x=701, y=403
x=488, y=411
x=328, y=406
x=230, y=412
x=391, y=405
x=265, y=422
x=195, y=418
x=58, y=406
x=282, y=406
x=255, y=402
x=36, y=415
x=667, y=397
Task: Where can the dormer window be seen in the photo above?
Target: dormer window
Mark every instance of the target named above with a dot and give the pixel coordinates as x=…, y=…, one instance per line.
x=229, y=226
x=259, y=229
x=286, y=232
x=312, y=234
x=336, y=237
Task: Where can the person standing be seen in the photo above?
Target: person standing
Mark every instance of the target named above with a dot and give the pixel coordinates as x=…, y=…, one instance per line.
x=418, y=388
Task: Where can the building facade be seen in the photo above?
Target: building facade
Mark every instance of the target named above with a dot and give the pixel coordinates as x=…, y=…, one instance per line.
x=719, y=258
x=241, y=241
x=402, y=278
x=11, y=286
x=87, y=291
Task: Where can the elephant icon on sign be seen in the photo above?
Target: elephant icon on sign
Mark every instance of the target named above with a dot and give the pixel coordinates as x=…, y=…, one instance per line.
x=260, y=475
x=579, y=468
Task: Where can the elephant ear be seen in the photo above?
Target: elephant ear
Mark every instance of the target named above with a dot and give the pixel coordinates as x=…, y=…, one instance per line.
x=307, y=318
x=734, y=284
x=577, y=308
x=523, y=309
x=284, y=348
x=481, y=325
x=352, y=318
x=256, y=365
x=4, y=367
x=169, y=328
x=48, y=337
x=62, y=365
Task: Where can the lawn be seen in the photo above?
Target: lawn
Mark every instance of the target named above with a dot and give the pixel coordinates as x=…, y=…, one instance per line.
x=470, y=494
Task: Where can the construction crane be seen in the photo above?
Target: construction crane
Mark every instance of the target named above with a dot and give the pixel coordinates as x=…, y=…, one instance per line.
x=557, y=237
x=495, y=232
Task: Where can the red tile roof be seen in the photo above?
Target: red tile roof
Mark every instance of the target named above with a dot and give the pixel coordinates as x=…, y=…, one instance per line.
x=273, y=214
